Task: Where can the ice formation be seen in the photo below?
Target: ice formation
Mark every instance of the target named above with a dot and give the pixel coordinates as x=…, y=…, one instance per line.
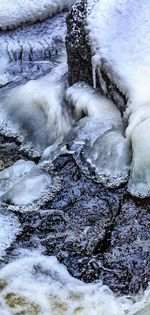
x=15, y=12
x=30, y=51
x=100, y=133
x=59, y=293
x=26, y=184
x=122, y=45
x=37, y=110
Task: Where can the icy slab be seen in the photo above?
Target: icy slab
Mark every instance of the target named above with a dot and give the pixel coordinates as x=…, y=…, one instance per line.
x=26, y=184
x=36, y=112
x=59, y=293
x=120, y=38
x=13, y=174
x=102, y=151
x=9, y=229
x=15, y=12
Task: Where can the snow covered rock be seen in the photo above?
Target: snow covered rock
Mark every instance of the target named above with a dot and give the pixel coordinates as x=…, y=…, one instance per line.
x=15, y=12
x=116, y=34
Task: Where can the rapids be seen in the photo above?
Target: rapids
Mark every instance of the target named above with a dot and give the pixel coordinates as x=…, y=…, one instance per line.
x=47, y=118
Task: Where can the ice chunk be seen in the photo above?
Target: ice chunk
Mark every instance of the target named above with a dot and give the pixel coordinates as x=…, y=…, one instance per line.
x=43, y=285
x=100, y=136
x=26, y=184
x=15, y=12
x=13, y=174
x=9, y=229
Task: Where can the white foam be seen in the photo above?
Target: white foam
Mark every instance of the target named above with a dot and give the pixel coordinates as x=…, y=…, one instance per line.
x=36, y=111
x=42, y=284
x=9, y=228
x=100, y=134
x=15, y=12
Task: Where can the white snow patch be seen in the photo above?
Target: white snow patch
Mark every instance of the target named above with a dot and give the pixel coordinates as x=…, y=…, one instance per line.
x=16, y=12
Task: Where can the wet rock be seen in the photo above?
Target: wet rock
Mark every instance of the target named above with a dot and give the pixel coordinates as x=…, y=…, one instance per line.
x=9, y=152
x=77, y=44
x=97, y=233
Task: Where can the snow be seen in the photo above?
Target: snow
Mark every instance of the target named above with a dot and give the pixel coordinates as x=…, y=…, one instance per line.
x=16, y=12
x=100, y=135
x=120, y=37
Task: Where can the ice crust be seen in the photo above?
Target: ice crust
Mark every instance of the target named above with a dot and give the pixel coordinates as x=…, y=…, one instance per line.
x=120, y=38
x=16, y=12
x=99, y=135
x=59, y=293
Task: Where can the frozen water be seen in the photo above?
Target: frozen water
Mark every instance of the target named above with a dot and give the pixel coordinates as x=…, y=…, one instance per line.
x=100, y=135
x=15, y=12
x=25, y=183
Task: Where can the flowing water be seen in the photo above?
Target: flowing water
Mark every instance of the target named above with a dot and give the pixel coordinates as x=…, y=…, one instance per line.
x=44, y=115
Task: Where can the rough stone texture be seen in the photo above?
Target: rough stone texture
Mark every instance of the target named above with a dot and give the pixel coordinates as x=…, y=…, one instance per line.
x=97, y=233
x=77, y=44
x=10, y=152
x=79, y=55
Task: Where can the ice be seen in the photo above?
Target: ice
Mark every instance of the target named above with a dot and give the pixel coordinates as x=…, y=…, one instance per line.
x=16, y=12
x=26, y=184
x=120, y=37
x=9, y=229
x=58, y=293
x=99, y=135
x=37, y=111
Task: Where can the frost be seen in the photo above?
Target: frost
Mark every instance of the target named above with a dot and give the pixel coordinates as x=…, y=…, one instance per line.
x=15, y=12
x=103, y=148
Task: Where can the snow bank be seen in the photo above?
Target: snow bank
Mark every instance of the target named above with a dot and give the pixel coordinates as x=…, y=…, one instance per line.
x=120, y=38
x=59, y=293
x=100, y=134
x=16, y=12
